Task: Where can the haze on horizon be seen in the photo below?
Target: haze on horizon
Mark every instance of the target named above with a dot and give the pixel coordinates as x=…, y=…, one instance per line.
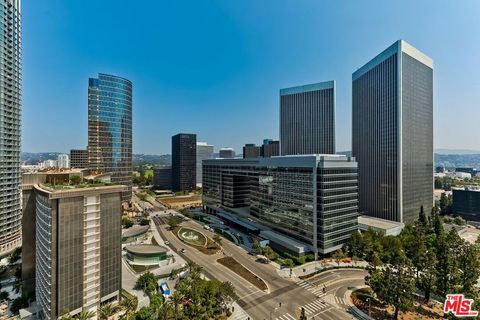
x=215, y=68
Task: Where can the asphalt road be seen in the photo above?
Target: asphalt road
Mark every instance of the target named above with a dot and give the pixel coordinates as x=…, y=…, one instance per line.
x=285, y=296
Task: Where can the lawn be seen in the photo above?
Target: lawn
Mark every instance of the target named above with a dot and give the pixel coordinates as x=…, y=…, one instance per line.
x=192, y=237
x=236, y=267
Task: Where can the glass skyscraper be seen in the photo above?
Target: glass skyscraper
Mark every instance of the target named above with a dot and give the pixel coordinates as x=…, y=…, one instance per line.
x=10, y=105
x=184, y=162
x=110, y=128
x=307, y=119
x=392, y=133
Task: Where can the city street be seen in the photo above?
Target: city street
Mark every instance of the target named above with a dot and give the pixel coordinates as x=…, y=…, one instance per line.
x=285, y=296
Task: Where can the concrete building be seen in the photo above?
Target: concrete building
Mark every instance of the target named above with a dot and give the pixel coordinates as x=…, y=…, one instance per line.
x=162, y=177
x=227, y=153
x=307, y=119
x=471, y=171
x=184, y=162
x=392, y=133
x=204, y=152
x=110, y=129
x=311, y=199
x=250, y=150
x=79, y=158
x=270, y=148
x=72, y=251
x=10, y=111
x=385, y=227
x=63, y=161
x=466, y=203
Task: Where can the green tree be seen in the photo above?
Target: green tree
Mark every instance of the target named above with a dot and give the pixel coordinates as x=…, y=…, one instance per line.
x=269, y=253
x=75, y=180
x=355, y=245
x=85, y=315
x=226, y=294
x=395, y=284
x=144, y=222
x=129, y=305
x=147, y=282
x=217, y=239
x=338, y=255
x=173, y=222
x=15, y=255
x=127, y=222
x=257, y=248
x=422, y=218
x=108, y=310
x=427, y=278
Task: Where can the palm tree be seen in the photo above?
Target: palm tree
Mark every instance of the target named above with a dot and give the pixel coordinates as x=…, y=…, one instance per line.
x=85, y=315
x=176, y=299
x=108, y=310
x=129, y=305
x=164, y=311
x=217, y=239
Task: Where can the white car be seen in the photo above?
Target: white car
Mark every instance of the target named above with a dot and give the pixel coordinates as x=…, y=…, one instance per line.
x=167, y=242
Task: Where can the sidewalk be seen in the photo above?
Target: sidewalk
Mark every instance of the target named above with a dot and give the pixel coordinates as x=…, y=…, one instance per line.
x=311, y=267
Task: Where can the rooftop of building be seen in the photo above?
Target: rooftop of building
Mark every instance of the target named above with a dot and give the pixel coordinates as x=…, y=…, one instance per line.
x=145, y=249
x=378, y=223
x=135, y=230
x=308, y=88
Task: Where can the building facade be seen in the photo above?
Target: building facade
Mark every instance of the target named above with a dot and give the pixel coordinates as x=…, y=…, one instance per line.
x=162, y=177
x=110, y=129
x=79, y=158
x=227, y=153
x=250, y=150
x=392, y=133
x=312, y=199
x=307, y=119
x=73, y=257
x=204, y=152
x=270, y=148
x=10, y=110
x=63, y=161
x=466, y=203
x=184, y=162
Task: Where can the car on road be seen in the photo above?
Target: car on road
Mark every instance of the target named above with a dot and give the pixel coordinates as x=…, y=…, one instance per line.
x=167, y=242
x=183, y=250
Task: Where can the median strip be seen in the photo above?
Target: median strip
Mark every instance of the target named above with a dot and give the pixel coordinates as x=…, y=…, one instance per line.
x=239, y=269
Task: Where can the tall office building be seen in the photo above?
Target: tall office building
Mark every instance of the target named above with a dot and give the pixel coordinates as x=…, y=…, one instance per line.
x=184, y=162
x=204, y=152
x=79, y=158
x=74, y=251
x=227, y=153
x=307, y=119
x=110, y=128
x=10, y=105
x=270, y=148
x=250, y=150
x=63, y=161
x=392, y=133
x=299, y=203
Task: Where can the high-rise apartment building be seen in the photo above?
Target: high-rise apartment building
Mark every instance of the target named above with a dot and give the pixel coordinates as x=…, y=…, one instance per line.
x=110, y=128
x=204, y=152
x=74, y=250
x=79, y=158
x=184, y=162
x=63, y=161
x=10, y=105
x=227, y=153
x=392, y=133
x=307, y=119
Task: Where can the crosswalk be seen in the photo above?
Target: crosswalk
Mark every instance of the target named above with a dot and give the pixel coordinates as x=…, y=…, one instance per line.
x=240, y=316
x=286, y=316
x=315, y=307
x=318, y=291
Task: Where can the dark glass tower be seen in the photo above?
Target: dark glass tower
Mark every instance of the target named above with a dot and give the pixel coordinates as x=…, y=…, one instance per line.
x=10, y=105
x=392, y=133
x=184, y=161
x=307, y=119
x=110, y=128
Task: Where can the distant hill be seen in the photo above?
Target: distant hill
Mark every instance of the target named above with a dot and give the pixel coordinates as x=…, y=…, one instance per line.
x=36, y=157
x=457, y=151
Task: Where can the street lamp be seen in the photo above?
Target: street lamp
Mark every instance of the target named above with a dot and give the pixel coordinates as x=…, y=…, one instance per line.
x=369, y=305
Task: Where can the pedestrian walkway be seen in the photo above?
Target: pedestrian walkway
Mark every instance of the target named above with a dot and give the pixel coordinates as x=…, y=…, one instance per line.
x=315, y=307
x=318, y=291
x=340, y=302
x=239, y=313
x=286, y=316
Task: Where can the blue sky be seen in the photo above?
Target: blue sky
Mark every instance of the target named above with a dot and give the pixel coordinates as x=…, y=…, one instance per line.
x=215, y=67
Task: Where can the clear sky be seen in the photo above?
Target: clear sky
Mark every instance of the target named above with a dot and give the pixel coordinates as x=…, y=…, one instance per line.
x=215, y=67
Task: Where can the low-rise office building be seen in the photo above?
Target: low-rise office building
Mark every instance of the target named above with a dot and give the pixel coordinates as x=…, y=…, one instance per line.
x=71, y=254
x=312, y=199
x=162, y=177
x=466, y=203
x=226, y=153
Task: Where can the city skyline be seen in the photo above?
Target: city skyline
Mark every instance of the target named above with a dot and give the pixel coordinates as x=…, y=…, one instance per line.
x=171, y=79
